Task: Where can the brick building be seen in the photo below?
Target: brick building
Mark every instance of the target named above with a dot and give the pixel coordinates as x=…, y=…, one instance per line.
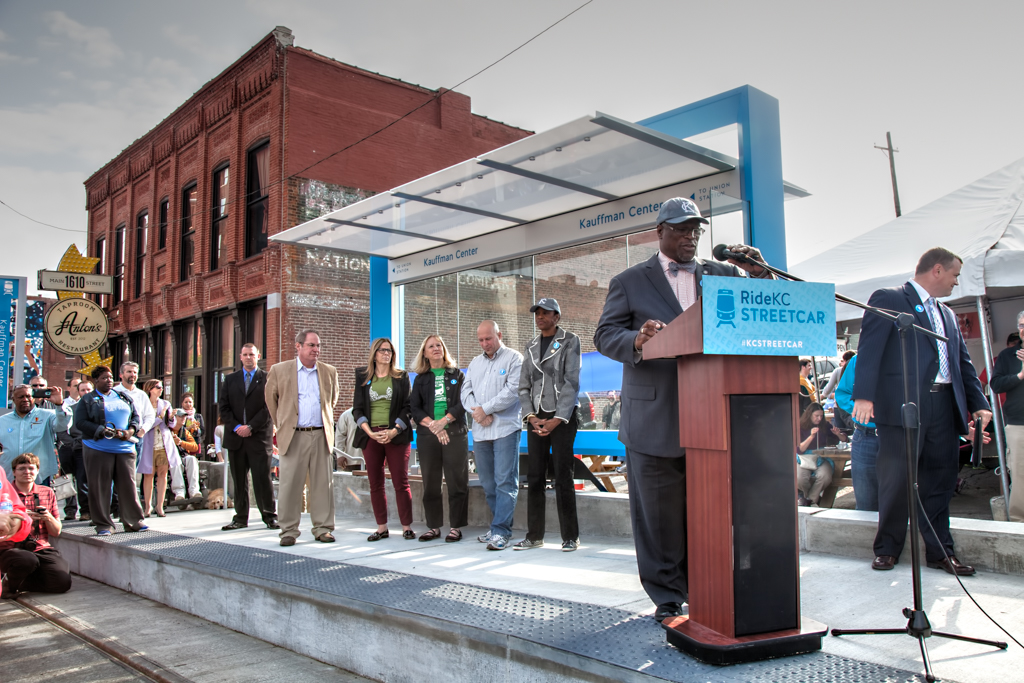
x=181, y=217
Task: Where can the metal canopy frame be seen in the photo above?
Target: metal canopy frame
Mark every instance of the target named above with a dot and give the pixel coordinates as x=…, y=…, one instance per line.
x=583, y=163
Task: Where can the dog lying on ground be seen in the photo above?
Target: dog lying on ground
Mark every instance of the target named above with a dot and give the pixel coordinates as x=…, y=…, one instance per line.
x=215, y=500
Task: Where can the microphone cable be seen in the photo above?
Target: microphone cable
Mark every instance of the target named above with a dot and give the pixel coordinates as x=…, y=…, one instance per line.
x=920, y=503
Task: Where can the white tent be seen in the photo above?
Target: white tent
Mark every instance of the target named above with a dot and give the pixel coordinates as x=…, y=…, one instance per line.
x=982, y=222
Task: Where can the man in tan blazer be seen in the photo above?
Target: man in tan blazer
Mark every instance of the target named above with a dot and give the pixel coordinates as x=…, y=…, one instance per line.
x=301, y=394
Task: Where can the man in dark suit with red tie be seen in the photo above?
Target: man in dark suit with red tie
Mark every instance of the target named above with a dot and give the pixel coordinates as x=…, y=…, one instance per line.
x=946, y=390
x=248, y=438
x=641, y=301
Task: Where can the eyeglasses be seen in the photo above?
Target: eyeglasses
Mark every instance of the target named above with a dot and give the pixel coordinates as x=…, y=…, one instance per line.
x=383, y=350
x=312, y=345
x=685, y=232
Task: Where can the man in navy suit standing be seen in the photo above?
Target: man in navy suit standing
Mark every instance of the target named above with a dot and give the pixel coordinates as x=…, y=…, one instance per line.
x=248, y=438
x=641, y=301
x=947, y=391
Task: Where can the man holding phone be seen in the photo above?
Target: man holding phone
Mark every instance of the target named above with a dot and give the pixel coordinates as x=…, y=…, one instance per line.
x=33, y=564
x=29, y=429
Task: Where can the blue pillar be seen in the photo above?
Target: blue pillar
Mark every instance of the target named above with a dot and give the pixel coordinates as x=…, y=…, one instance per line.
x=380, y=298
x=757, y=115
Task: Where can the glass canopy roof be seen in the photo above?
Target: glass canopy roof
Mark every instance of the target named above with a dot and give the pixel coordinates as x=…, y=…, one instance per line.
x=585, y=162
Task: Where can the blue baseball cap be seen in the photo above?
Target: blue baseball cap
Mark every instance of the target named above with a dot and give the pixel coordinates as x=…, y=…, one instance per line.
x=678, y=210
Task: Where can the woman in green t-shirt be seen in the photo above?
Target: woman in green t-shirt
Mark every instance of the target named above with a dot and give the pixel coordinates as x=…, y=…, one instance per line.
x=380, y=407
x=441, y=437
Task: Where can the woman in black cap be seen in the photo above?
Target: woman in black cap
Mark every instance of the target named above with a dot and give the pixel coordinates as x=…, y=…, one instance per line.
x=548, y=390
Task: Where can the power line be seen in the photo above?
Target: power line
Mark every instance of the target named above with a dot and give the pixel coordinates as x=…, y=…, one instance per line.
x=173, y=221
x=55, y=227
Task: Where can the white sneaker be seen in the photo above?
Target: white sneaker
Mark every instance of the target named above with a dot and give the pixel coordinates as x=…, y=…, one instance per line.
x=499, y=542
x=486, y=538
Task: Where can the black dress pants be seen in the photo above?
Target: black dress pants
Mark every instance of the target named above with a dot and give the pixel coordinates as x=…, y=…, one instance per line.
x=937, y=467
x=104, y=469
x=44, y=571
x=73, y=462
x=253, y=456
x=657, y=510
x=453, y=460
x=557, y=448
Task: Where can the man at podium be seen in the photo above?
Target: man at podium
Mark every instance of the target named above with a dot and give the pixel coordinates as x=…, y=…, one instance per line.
x=641, y=301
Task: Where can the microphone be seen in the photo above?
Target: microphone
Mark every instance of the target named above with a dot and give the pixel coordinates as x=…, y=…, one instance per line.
x=722, y=253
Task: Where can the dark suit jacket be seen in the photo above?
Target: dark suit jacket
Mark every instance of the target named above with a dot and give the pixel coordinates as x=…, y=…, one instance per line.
x=235, y=402
x=880, y=372
x=649, y=420
x=401, y=411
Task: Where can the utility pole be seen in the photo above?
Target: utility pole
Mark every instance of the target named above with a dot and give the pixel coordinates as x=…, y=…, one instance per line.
x=892, y=170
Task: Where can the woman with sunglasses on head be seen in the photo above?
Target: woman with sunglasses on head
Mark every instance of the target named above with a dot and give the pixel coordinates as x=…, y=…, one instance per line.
x=380, y=406
x=441, y=437
x=158, y=453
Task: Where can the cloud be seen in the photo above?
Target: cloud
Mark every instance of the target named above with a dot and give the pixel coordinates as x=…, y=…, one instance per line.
x=96, y=41
x=53, y=197
x=8, y=58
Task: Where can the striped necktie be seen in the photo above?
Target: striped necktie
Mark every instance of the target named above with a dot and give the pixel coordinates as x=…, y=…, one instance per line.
x=933, y=313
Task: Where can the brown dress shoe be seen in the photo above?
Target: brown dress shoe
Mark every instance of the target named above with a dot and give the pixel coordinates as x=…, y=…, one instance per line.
x=326, y=537
x=884, y=562
x=953, y=566
x=287, y=541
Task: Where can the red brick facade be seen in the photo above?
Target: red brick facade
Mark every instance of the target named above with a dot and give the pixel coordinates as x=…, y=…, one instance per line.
x=306, y=107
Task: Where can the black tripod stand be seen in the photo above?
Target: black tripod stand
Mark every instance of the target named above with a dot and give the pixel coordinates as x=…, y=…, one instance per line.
x=917, y=620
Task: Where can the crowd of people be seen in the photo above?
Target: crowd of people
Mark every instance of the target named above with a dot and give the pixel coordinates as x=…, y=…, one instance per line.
x=104, y=434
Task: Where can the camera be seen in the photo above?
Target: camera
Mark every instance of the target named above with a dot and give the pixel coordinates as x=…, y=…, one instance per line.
x=42, y=393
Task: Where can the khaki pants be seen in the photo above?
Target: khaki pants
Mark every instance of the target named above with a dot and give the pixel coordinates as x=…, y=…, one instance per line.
x=307, y=458
x=1015, y=463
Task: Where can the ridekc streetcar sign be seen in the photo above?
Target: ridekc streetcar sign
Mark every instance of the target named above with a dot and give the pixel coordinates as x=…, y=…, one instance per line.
x=76, y=326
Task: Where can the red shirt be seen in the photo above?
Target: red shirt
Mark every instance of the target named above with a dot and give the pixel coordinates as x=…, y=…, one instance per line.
x=39, y=531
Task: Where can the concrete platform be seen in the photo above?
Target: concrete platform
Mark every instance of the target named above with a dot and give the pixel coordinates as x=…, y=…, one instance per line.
x=461, y=612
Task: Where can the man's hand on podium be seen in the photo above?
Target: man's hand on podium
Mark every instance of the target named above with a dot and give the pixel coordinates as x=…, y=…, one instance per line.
x=647, y=331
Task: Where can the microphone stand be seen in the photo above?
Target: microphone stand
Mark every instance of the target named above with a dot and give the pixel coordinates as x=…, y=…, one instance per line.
x=918, y=626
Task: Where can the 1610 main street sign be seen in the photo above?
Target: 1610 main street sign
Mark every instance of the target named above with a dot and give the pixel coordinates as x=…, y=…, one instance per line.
x=64, y=281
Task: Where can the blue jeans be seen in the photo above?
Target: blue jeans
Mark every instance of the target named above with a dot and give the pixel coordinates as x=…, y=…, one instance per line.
x=497, y=463
x=863, y=455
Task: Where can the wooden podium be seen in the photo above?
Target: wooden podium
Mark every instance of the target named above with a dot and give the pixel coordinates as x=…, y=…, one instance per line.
x=737, y=422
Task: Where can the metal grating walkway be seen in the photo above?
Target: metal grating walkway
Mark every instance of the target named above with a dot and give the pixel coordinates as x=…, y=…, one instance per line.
x=605, y=634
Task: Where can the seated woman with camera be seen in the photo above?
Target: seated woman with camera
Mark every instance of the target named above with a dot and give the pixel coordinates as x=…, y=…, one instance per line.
x=32, y=564
x=815, y=434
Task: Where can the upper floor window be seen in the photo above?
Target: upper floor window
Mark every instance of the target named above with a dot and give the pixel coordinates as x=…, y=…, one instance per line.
x=165, y=209
x=141, y=237
x=218, y=219
x=118, y=265
x=256, y=199
x=189, y=197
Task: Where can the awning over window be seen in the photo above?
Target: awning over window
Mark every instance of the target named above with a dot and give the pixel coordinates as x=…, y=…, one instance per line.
x=586, y=162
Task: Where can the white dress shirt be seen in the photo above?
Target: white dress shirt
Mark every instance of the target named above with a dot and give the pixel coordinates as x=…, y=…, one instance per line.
x=310, y=414
x=938, y=327
x=682, y=283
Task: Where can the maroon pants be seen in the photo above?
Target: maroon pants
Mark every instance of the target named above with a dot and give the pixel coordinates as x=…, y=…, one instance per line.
x=397, y=457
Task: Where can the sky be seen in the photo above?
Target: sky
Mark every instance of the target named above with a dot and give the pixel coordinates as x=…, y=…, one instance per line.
x=80, y=81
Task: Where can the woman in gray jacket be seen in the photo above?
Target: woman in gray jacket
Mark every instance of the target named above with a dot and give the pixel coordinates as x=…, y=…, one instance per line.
x=548, y=389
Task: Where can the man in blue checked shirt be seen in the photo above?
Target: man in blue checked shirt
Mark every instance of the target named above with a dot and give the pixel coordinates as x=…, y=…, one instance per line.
x=491, y=393
x=30, y=429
